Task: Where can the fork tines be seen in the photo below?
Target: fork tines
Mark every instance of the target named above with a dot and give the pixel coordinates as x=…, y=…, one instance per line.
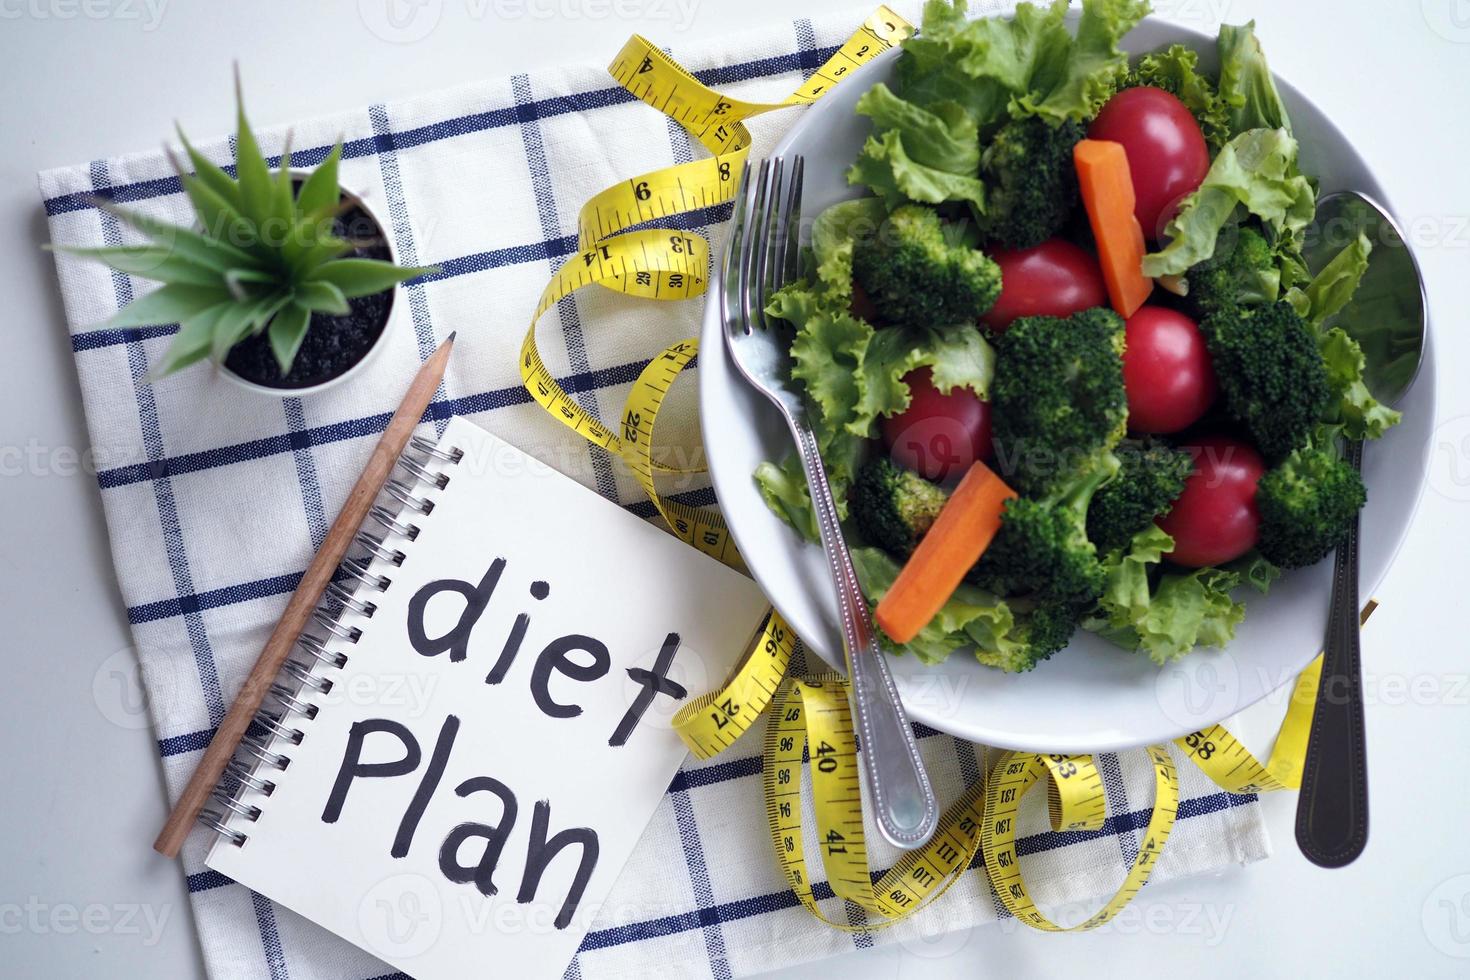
x=764, y=251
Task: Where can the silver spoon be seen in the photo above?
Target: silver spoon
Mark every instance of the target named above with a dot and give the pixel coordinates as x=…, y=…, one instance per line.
x=1386, y=317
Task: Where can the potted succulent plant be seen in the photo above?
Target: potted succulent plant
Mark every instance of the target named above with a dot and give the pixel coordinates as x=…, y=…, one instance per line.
x=287, y=282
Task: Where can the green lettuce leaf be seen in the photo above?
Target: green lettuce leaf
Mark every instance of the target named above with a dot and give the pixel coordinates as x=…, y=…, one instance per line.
x=1077, y=85
x=783, y=485
x=885, y=167
x=853, y=373
x=1246, y=83
x=933, y=68
x=1360, y=414
x=942, y=136
x=1012, y=51
x=827, y=353
x=957, y=356
x=834, y=233
x=1290, y=262
x=783, y=488
x=1191, y=610
x=982, y=64
x=1256, y=170
x=1256, y=572
x=1126, y=596
x=1333, y=288
x=923, y=154
x=971, y=617
x=959, y=80
x=1354, y=409
x=997, y=68
x=928, y=153
x=1183, y=611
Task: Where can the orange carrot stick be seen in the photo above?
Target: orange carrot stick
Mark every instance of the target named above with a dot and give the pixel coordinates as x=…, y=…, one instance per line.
x=1107, y=193
x=960, y=534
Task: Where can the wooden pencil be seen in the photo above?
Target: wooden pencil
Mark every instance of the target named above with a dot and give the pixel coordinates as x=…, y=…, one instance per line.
x=303, y=602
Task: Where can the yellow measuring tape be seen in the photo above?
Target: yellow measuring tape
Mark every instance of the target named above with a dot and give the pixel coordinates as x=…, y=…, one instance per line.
x=809, y=723
x=662, y=263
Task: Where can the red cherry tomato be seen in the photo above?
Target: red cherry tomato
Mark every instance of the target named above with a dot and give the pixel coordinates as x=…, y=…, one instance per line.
x=1214, y=520
x=1056, y=278
x=938, y=436
x=1167, y=370
x=1167, y=155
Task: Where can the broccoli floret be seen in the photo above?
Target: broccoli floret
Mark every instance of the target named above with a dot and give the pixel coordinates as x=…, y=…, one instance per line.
x=1031, y=181
x=1058, y=397
x=1039, y=632
x=918, y=275
x=1270, y=372
x=1242, y=272
x=1042, y=547
x=894, y=507
x=1151, y=478
x=1307, y=505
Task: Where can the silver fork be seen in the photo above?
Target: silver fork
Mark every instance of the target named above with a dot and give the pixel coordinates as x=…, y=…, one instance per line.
x=762, y=255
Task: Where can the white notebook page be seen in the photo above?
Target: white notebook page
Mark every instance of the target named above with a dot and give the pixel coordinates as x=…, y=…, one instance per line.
x=418, y=755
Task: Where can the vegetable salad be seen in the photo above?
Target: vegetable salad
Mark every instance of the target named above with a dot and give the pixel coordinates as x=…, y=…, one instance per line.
x=1066, y=363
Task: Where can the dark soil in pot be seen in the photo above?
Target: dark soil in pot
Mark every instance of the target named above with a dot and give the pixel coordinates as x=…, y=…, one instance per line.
x=333, y=344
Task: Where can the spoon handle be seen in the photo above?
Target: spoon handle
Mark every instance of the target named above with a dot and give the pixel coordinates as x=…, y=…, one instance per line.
x=1332, y=810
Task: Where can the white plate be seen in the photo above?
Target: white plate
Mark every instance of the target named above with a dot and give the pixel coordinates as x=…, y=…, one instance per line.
x=1092, y=696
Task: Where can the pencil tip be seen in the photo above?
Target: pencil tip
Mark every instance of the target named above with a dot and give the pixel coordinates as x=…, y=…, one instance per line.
x=450, y=338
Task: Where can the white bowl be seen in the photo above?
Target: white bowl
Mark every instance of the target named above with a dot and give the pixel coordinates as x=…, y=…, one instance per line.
x=1092, y=696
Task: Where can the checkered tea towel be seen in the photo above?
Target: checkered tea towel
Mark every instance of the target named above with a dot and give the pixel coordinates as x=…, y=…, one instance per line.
x=216, y=498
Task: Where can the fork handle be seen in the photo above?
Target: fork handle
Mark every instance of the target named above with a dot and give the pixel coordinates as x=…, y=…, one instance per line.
x=907, y=813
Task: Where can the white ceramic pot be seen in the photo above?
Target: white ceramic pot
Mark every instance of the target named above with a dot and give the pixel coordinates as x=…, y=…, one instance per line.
x=393, y=315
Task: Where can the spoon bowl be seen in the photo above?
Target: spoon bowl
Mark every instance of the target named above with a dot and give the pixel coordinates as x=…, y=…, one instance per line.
x=1387, y=315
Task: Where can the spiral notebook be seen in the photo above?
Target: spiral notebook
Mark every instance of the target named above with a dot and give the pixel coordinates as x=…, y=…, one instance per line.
x=464, y=750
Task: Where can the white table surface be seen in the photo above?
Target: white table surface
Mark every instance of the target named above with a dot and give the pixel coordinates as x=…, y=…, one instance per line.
x=81, y=892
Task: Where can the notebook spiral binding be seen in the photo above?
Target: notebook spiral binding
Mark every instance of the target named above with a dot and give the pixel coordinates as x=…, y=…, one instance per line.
x=277, y=725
